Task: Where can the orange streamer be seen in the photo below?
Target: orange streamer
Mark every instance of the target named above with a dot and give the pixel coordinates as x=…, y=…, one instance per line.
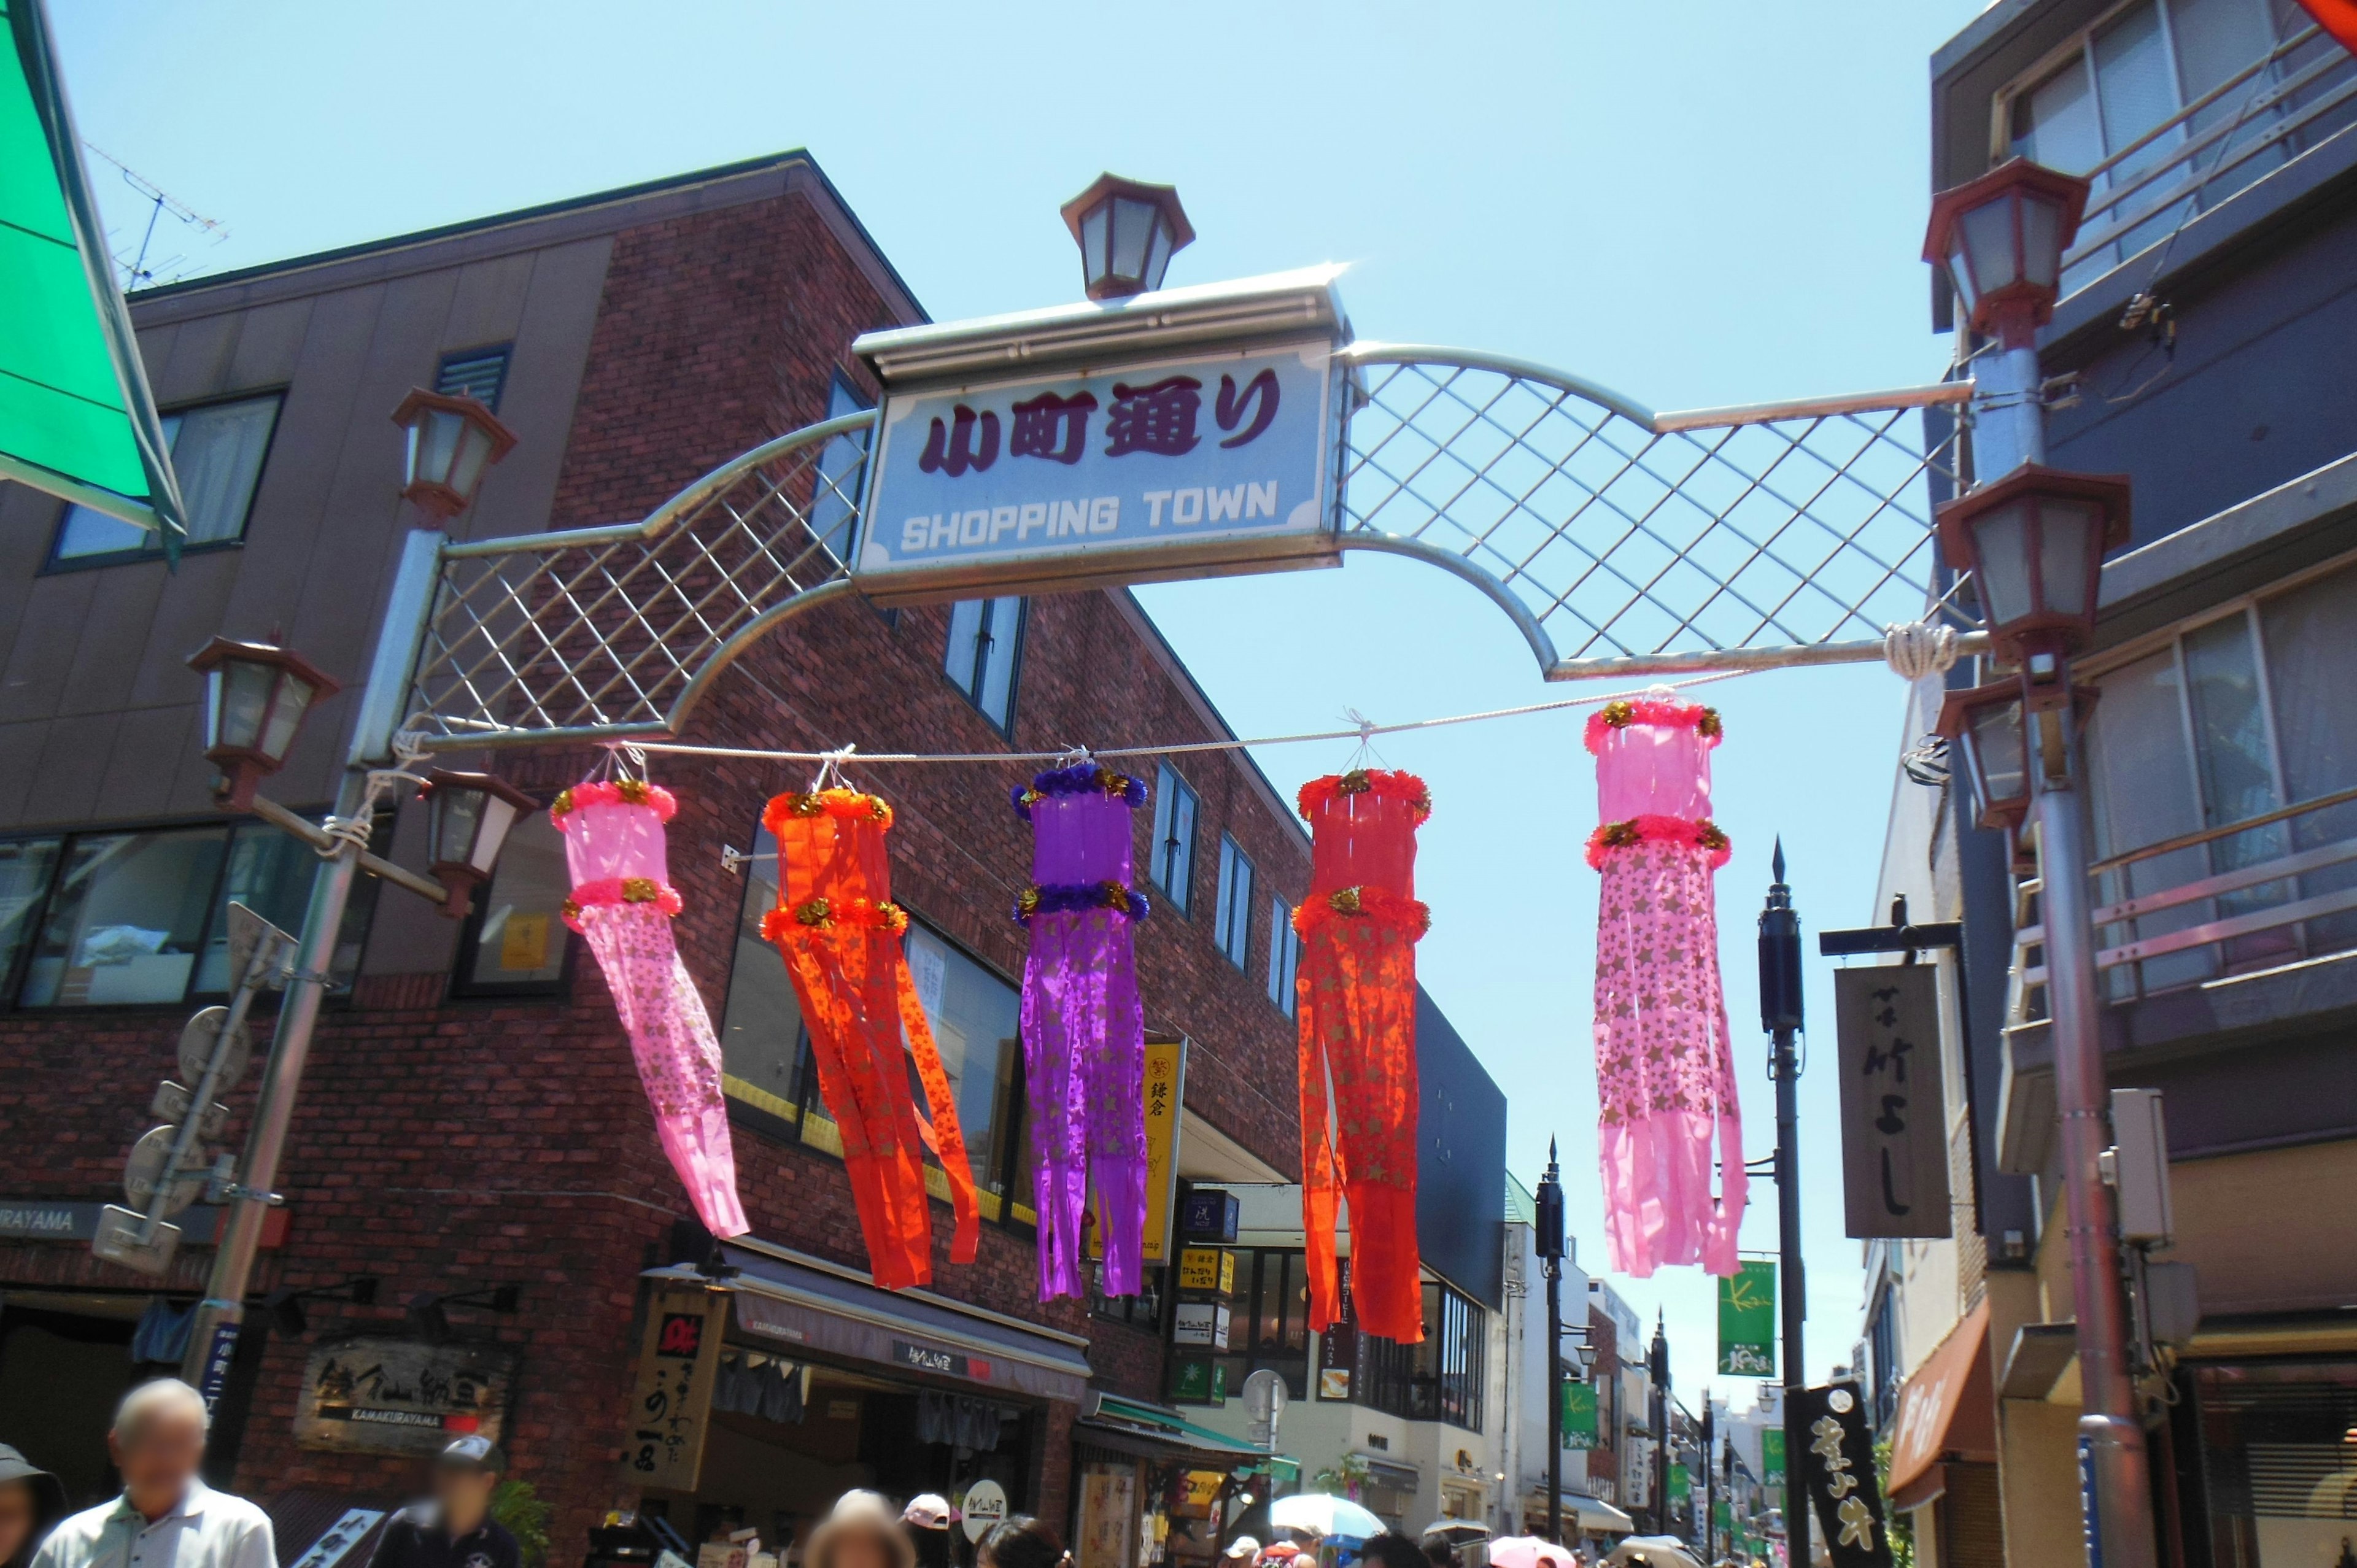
x=1357, y=1008
x=839, y=932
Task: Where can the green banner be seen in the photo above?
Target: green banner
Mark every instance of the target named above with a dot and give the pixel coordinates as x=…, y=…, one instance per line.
x=1722, y=1518
x=1681, y=1486
x=1772, y=1456
x=1579, y=1415
x=1747, y=1322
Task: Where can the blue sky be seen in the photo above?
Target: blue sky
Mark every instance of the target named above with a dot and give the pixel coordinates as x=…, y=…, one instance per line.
x=1697, y=205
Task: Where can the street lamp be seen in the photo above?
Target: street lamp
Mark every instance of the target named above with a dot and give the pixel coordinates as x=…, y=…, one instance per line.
x=452, y=441
x=1127, y=232
x=2035, y=541
x=1549, y=1241
x=255, y=697
x=468, y=816
x=1987, y=721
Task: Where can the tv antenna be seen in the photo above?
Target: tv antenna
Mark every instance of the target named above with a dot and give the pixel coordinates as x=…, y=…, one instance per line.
x=136, y=272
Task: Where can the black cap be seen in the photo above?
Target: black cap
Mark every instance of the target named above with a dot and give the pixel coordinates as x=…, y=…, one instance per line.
x=48, y=1492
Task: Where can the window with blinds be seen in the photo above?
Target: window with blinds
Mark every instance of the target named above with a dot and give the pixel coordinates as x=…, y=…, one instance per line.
x=2278, y=1460
x=478, y=373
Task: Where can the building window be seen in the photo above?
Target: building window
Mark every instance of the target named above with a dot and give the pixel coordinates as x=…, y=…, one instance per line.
x=984, y=645
x=2114, y=104
x=2274, y=1467
x=515, y=939
x=101, y=919
x=1439, y=1379
x=842, y=466
x=478, y=373
x=1269, y=1324
x=1232, y=917
x=1143, y=1311
x=1283, y=955
x=1171, y=866
x=217, y=451
x=771, y=1080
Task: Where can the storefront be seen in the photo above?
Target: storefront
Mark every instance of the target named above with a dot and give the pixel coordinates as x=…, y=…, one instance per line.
x=2265, y=1462
x=1151, y=1487
x=765, y=1396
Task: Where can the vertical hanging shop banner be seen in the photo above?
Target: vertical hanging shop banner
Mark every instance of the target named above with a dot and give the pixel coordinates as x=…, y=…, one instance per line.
x=1837, y=1473
x=1894, y=1114
x=1164, y=1097
x=672, y=1407
x=1579, y=1416
x=1747, y=1321
x=1681, y=1487
x=1772, y=1456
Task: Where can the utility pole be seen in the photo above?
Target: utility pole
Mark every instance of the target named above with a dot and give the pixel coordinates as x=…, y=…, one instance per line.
x=1550, y=1248
x=1781, y=1016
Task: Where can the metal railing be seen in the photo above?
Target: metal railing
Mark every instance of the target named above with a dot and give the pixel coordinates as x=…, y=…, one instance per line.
x=2272, y=108
x=2224, y=922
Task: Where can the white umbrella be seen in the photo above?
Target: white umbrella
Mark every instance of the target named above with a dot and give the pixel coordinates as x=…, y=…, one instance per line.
x=1653, y=1550
x=1323, y=1515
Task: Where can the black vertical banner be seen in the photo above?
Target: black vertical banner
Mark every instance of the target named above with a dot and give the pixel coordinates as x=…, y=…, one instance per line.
x=1837, y=1466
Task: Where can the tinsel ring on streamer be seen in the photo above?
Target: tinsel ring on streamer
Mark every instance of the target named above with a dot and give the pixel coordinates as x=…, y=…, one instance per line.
x=1081, y=778
x=617, y=792
x=621, y=890
x=1376, y=906
x=1070, y=897
x=1704, y=834
x=1657, y=711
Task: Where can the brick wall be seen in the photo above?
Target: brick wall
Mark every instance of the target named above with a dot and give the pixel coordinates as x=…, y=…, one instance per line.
x=443, y=1144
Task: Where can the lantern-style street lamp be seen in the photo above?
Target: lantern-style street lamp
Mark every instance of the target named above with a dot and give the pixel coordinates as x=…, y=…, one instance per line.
x=468, y=816
x=2001, y=239
x=1127, y=232
x=1987, y=721
x=255, y=697
x=2035, y=542
x=452, y=441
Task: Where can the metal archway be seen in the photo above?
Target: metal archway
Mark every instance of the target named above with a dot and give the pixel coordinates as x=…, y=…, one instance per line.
x=1619, y=540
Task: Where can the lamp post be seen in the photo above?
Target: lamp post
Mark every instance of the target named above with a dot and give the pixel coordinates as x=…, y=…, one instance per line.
x=255, y=696
x=442, y=478
x=1127, y=232
x=467, y=817
x=1550, y=1241
x=1657, y=1370
x=1780, y=1016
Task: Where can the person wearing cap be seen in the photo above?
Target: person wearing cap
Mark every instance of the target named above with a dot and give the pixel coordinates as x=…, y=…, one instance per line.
x=454, y=1529
x=861, y=1533
x=927, y=1518
x=1242, y=1550
x=31, y=1500
x=167, y=1517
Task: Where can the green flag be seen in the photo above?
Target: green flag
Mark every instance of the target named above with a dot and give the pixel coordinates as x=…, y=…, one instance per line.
x=1747, y=1322
x=76, y=417
x=1681, y=1486
x=1579, y=1415
x=1772, y=1456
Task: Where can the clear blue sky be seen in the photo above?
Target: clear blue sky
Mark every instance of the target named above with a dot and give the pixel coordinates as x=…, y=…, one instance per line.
x=1697, y=204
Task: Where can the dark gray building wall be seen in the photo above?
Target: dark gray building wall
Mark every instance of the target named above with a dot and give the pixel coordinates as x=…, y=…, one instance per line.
x=1461, y=1166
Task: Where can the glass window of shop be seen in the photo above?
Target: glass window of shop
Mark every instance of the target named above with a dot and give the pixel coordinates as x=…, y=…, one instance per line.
x=1269, y=1324
x=2278, y=1470
x=1438, y=1379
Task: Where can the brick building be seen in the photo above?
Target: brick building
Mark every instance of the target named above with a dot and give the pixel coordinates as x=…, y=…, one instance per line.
x=471, y=1118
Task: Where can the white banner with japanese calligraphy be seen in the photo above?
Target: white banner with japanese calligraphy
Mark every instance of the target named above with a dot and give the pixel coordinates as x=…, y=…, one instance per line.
x=1104, y=472
x=1894, y=1111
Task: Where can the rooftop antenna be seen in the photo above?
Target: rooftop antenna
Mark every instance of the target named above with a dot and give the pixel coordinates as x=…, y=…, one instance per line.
x=137, y=272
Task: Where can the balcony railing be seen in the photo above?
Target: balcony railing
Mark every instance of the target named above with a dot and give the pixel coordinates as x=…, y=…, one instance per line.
x=2286, y=909
x=2255, y=121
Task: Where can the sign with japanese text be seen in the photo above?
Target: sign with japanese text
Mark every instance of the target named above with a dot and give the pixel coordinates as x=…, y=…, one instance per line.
x=1772, y=1456
x=1747, y=1321
x=1211, y=1269
x=672, y=1407
x=370, y=1395
x=1119, y=473
x=1201, y=1323
x=1338, y=1347
x=1837, y=1475
x=1165, y=1093
x=1579, y=1415
x=1894, y=1114
x=1198, y=1380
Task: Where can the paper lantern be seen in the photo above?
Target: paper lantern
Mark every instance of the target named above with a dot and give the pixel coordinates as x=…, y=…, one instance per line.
x=839, y=932
x=1356, y=990
x=1664, y=1075
x=622, y=903
x=1083, y=1029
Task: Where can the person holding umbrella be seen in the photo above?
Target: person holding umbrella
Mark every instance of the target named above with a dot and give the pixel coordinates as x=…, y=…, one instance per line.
x=31, y=1500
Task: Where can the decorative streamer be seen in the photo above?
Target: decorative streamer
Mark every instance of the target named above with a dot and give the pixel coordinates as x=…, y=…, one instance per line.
x=1083, y=1029
x=839, y=932
x=622, y=903
x=1665, y=1074
x=1359, y=926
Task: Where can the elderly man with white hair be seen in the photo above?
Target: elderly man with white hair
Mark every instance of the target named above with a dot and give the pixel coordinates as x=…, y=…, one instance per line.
x=167, y=1517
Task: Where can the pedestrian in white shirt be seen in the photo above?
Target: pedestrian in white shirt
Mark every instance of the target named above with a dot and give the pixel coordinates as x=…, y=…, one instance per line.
x=167, y=1517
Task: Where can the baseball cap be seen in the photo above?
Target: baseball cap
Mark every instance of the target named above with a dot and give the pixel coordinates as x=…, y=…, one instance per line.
x=474, y=1452
x=1243, y=1546
x=928, y=1510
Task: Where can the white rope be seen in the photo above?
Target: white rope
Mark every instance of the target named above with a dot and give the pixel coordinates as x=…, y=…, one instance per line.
x=1360, y=730
x=1916, y=649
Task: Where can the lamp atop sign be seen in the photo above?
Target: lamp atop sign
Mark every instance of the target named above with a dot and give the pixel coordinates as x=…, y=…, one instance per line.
x=255, y=697
x=468, y=816
x=2001, y=238
x=1127, y=232
x=452, y=441
x=2035, y=542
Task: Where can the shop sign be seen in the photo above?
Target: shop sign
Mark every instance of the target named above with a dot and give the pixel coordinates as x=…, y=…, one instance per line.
x=1211, y=1269
x=1199, y=1380
x=1338, y=1347
x=1838, y=1474
x=1116, y=473
x=1747, y=1321
x=947, y=1363
x=1681, y=1486
x=983, y=1508
x=1579, y=1415
x=1894, y=1113
x=672, y=1408
x=1213, y=1215
x=1201, y=1323
x=335, y=1545
x=1108, y=1533
x=1197, y=1490
x=1164, y=1096
x=369, y=1395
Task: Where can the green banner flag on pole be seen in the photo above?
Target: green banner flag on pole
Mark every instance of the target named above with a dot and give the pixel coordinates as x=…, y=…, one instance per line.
x=76, y=417
x=1772, y=1456
x=1747, y=1322
x=1681, y=1486
x=1579, y=1415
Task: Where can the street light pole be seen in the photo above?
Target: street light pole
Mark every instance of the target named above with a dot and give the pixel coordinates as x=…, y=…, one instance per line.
x=1781, y=1015
x=1550, y=1250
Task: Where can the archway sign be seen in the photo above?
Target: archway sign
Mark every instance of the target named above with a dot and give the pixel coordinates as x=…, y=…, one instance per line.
x=1197, y=432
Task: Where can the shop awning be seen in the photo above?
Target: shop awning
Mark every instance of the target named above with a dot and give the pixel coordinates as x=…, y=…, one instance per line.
x=76, y=417
x=1946, y=1411
x=1594, y=1515
x=1142, y=1427
x=813, y=1304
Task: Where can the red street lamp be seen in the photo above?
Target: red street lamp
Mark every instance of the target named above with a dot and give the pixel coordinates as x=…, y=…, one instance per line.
x=1986, y=722
x=255, y=697
x=2001, y=238
x=2035, y=542
x=452, y=441
x=468, y=816
x=1127, y=232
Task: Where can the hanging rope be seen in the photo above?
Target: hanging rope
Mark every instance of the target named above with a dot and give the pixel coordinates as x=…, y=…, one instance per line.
x=1916, y=649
